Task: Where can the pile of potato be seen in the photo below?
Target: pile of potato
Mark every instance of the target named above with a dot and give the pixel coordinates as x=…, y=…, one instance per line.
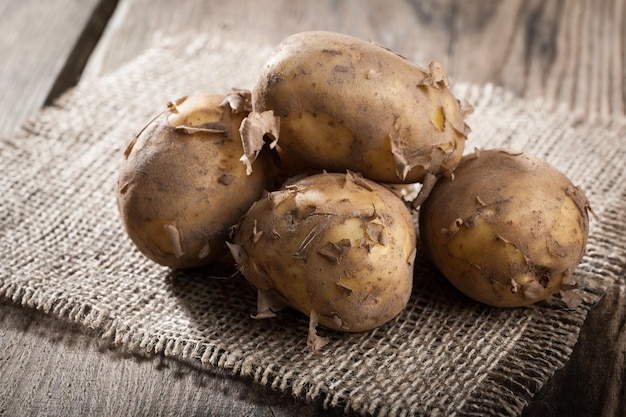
x=294, y=181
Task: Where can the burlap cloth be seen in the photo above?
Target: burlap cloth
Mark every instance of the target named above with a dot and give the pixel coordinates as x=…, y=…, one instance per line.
x=63, y=251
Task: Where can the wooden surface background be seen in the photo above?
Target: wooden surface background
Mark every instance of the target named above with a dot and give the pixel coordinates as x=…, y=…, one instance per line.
x=570, y=52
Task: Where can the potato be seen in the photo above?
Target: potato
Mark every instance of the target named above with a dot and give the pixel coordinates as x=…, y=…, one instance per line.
x=339, y=103
x=338, y=247
x=508, y=231
x=181, y=184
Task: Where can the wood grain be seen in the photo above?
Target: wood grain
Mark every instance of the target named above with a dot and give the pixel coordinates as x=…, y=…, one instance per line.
x=36, y=42
x=572, y=53
x=593, y=381
x=54, y=368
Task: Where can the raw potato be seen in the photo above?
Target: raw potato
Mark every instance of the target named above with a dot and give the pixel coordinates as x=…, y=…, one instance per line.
x=339, y=103
x=181, y=184
x=337, y=247
x=508, y=231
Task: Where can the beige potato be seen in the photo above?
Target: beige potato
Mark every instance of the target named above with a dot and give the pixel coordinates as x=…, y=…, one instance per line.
x=340, y=103
x=508, y=231
x=338, y=247
x=181, y=184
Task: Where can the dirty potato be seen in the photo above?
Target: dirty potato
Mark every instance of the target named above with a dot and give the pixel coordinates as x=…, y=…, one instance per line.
x=340, y=103
x=508, y=231
x=181, y=185
x=338, y=247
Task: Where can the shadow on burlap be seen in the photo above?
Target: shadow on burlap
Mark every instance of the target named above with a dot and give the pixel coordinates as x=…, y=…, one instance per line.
x=64, y=251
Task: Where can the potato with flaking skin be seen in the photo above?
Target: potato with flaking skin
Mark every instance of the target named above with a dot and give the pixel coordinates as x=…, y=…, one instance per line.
x=339, y=103
x=509, y=230
x=338, y=247
x=181, y=184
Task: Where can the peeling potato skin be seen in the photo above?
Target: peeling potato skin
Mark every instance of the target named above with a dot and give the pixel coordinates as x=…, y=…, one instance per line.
x=334, y=244
x=508, y=231
x=347, y=104
x=181, y=185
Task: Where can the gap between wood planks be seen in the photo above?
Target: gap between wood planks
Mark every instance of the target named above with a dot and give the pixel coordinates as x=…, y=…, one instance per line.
x=81, y=52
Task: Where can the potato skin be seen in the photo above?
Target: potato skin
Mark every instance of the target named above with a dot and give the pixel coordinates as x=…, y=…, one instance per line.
x=181, y=184
x=508, y=231
x=334, y=244
x=347, y=104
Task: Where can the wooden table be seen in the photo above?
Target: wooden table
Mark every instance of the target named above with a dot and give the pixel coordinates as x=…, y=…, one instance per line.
x=572, y=52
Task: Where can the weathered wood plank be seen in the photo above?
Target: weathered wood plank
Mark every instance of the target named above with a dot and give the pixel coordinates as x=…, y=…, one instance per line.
x=53, y=368
x=418, y=30
x=569, y=52
x=36, y=43
x=82, y=50
x=593, y=382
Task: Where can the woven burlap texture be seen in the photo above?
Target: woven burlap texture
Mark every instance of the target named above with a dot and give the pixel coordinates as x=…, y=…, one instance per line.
x=64, y=251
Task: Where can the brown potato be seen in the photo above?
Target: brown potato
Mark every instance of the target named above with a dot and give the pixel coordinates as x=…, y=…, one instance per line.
x=508, y=231
x=337, y=247
x=340, y=103
x=181, y=184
